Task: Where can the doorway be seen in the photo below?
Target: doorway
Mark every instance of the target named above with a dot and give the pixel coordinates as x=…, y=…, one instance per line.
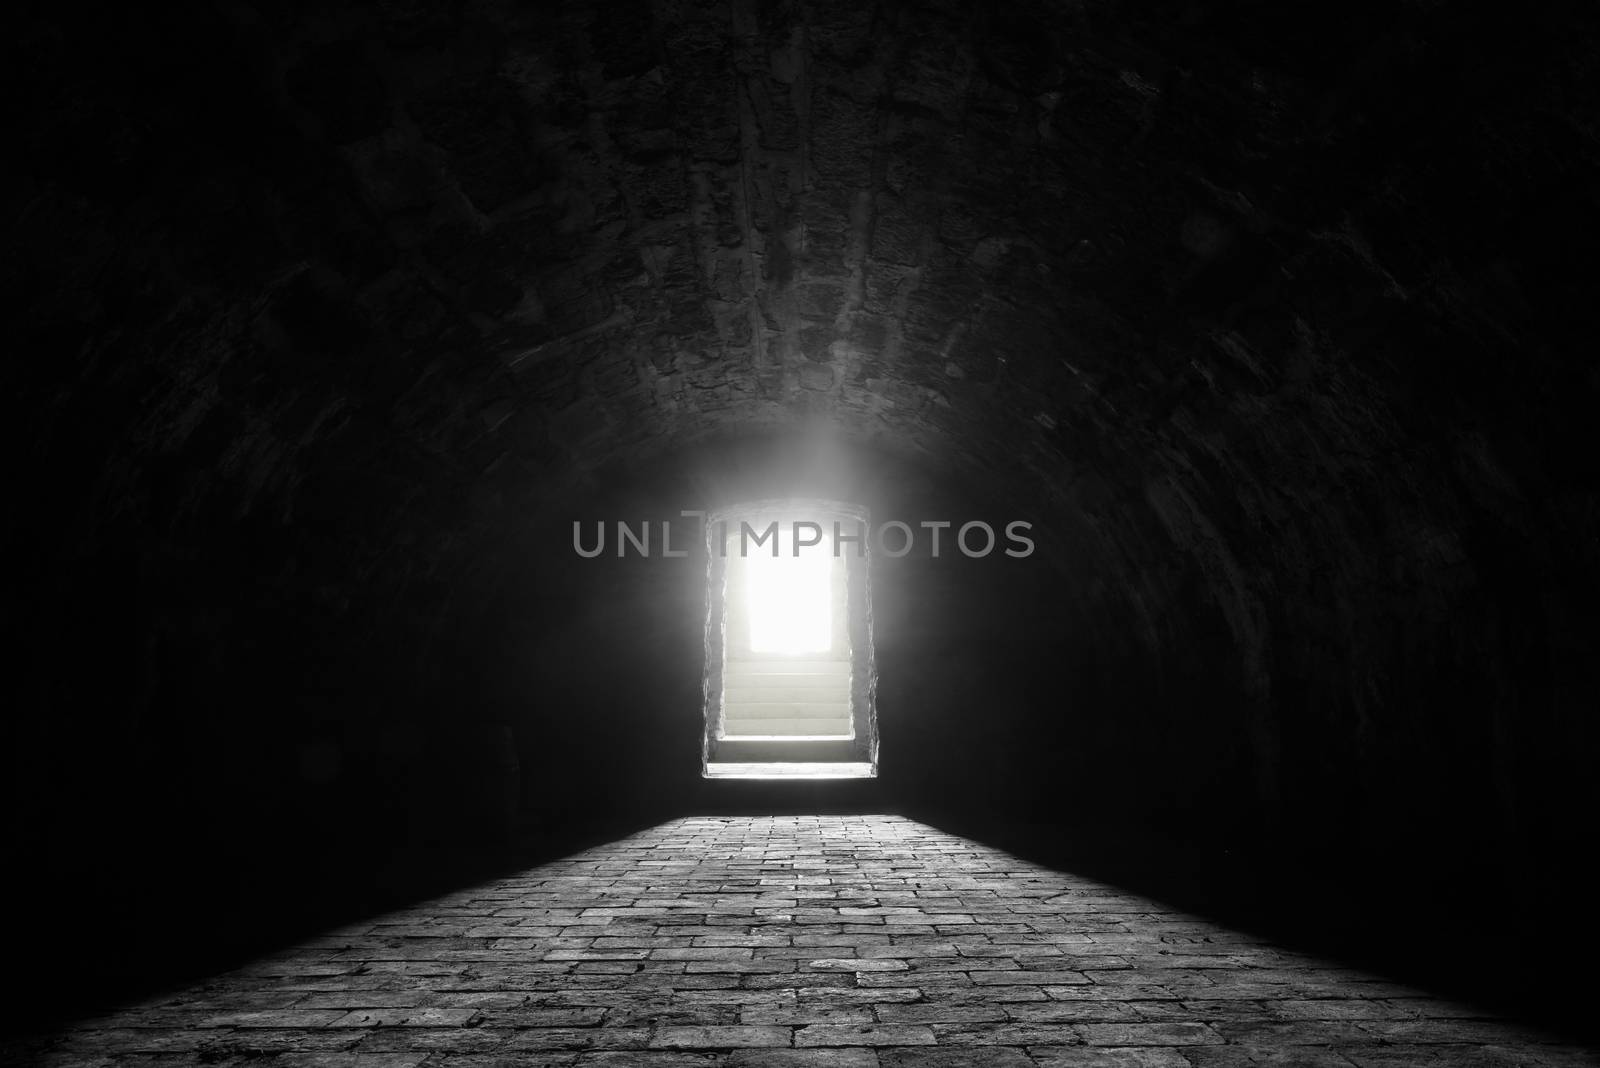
x=790, y=678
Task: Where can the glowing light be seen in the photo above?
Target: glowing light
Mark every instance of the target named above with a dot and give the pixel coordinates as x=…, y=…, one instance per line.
x=789, y=599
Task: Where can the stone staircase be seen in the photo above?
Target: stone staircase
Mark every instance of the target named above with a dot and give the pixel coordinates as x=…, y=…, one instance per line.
x=786, y=698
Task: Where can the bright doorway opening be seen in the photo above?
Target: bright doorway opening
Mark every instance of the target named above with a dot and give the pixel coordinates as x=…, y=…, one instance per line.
x=789, y=668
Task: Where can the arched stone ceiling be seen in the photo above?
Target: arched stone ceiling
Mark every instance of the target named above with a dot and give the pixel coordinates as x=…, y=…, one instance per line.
x=1281, y=300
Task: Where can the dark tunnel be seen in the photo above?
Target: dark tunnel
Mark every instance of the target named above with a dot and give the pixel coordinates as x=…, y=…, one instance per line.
x=331, y=321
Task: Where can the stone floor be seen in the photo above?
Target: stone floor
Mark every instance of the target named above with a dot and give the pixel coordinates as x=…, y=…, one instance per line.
x=850, y=942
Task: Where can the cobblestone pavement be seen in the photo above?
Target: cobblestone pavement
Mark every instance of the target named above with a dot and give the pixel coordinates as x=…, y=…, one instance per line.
x=847, y=942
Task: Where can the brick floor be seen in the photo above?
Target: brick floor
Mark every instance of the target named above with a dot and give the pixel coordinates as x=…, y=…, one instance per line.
x=837, y=941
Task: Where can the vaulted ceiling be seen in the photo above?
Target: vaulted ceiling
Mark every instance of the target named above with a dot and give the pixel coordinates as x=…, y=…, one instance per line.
x=1285, y=304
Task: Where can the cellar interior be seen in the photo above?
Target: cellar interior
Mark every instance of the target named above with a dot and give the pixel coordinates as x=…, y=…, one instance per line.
x=336, y=322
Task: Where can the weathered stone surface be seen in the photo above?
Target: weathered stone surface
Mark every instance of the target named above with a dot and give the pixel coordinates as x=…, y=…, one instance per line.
x=695, y=871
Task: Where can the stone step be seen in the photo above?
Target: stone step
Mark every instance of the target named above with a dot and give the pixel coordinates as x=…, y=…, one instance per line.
x=737, y=668
x=839, y=709
x=801, y=687
x=832, y=727
x=777, y=769
x=798, y=749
